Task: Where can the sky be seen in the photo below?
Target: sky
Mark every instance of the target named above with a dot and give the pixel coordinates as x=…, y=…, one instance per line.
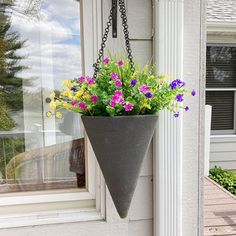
x=52, y=50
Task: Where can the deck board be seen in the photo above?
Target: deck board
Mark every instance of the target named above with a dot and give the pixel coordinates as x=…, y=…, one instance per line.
x=219, y=210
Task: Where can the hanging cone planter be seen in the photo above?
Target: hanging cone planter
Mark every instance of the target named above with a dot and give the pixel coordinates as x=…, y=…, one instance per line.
x=118, y=106
x=120, y=144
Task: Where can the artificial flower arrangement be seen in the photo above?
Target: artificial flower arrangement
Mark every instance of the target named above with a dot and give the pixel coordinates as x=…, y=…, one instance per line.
x=119, y=109
x=119, y=92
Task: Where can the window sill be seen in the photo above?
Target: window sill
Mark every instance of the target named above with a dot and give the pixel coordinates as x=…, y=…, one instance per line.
x=49, y=217
x=223, y=138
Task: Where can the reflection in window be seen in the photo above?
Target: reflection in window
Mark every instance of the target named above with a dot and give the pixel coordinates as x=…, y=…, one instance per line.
x=39, y=48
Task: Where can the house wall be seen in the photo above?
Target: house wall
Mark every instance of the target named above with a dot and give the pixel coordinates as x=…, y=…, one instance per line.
x=222, y=147
x=140, y=219
x=223, y=152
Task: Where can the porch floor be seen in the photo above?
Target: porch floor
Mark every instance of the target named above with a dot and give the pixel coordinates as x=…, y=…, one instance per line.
x=219, y=210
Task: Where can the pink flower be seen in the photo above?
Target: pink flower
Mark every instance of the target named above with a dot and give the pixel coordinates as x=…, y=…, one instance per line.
x=81, y=79
x=112, y=103
x=128, y=106
x=118, y=93
x=144, y=88
x=82, y=106
x=73, y=102
x=118, y=83
x=114, y=76
x=90, y=80
x=121, y=100
x=94, y=98
x=115, y=98
x=106, y=60
x=120, y=63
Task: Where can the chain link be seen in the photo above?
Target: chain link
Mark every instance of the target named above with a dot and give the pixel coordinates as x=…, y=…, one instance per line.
x=126, y=34
x=97, y=64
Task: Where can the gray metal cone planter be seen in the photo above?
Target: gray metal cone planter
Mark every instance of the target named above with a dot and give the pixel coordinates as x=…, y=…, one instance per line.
x=120, y=144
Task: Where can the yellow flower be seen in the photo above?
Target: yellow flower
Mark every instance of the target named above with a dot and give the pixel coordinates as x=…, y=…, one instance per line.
x=52, y=95
x=65, y=93
x=79, y=93
x=67, y=106
x=53, y=106
x=48, y=114
x=70, y=85
x=58, y=115
x=89, y=107
x=70, y=94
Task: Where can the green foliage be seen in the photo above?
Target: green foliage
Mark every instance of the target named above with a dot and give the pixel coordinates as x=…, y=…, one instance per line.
x=118, y=92
x=225, y=178
x=6, y=123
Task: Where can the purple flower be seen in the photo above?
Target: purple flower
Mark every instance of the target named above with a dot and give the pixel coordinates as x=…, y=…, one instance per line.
x=128, y=106
x=193, y=93
x=118, y=83
x=144, y=88
x=81, y=79
x=176, y=115
x=118, y=93
x=186, y=108
x=133, y=82
x=73, y=89
x=82, y=106
x=148, y=95
x=90, y=80
x=180, y=98
x=73, y=102
x=94, y=98
x=114, y=76
x=120, y=63
x=177, y=83
x=106, y=60
x=112, y=103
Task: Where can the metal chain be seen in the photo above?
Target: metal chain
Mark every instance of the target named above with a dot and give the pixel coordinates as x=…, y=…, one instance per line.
x=126, y=34
x=96, y=65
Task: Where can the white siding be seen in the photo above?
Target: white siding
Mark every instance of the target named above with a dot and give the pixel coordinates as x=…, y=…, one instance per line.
x=223, y=152
x=140, y=220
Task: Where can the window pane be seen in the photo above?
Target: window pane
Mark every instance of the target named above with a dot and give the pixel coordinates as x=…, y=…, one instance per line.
x=222, y=109
x=221, y=67
x=40, y=47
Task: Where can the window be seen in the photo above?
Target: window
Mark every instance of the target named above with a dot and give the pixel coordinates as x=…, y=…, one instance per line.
x=44, y=160
x=221, y=87
x=42, y=49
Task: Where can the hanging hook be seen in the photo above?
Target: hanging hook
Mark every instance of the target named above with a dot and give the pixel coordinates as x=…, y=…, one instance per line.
x=114, y=18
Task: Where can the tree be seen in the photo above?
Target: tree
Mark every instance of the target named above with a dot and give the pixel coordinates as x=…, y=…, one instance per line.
x=11, y=94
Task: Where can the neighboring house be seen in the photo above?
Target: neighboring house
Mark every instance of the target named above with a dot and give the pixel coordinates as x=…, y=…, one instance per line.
x=221, y=81
x=63, y=41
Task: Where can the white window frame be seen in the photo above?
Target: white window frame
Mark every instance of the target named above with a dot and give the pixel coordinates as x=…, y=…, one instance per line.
x=220, y=40
x=95, y=192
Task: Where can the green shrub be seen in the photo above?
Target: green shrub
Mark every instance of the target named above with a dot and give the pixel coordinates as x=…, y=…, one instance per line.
x=225, y=178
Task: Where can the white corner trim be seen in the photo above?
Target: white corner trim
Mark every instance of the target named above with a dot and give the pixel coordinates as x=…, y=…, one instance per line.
x=168, y=181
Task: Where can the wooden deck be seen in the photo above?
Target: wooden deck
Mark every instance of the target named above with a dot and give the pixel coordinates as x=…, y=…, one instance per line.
x=220, y=211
